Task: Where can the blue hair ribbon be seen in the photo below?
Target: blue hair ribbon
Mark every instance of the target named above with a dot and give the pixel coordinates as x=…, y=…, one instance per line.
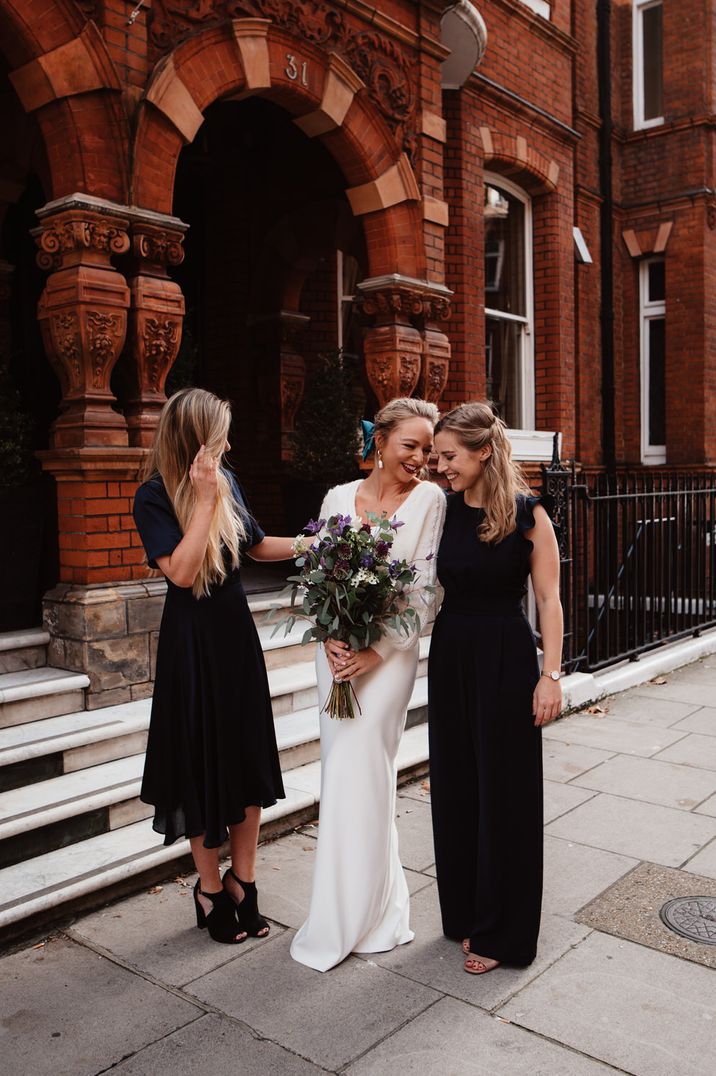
x=368, y=437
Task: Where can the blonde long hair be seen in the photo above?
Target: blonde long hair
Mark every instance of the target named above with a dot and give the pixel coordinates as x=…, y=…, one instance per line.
x=475, y=425
x=400, y=409
x=192, y=418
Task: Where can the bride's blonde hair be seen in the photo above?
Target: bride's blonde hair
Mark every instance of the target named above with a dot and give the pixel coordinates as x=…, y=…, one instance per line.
x=476, y=425
x=192, y=418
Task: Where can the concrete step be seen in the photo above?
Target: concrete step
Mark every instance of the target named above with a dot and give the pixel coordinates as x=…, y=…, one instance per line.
x=62, y=810
x=33, y=694
x=23, y=649
x=49, y=885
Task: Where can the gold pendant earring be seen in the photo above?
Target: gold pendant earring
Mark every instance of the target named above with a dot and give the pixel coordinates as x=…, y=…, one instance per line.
x=380, y=461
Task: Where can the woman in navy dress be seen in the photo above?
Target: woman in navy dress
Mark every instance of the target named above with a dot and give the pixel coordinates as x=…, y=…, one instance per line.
x=487, y=699
x=212, y=760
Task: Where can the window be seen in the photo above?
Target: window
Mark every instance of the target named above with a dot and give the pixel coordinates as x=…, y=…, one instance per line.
x=540, y=6
x=508, y=302
x=648, y=52
x=347, y=277
x=652, y=294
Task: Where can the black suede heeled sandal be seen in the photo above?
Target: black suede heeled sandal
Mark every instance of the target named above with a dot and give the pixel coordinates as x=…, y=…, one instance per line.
x=247, y=909
x=221, y=921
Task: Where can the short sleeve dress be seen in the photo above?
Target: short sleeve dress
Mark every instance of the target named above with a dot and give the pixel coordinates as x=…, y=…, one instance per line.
x=485, y=751
x=212, y=745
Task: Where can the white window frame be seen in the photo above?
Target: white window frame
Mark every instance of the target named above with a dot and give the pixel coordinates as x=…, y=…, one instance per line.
x=648, y=311
x=638, y=9
x=527, y=358
x=540, y=7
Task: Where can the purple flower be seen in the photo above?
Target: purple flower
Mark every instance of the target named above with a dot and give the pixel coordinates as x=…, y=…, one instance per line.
x=430, y=556
x=367, y=560
x=395, y=523
x=394, y=568
x=314, y=526
x=382, y=548
x=340, y=525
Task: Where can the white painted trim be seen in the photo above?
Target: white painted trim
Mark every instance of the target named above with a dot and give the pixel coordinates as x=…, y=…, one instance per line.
x=540, y=7
x=637, y=73
x=652, y=455
x=527, y=359
x=532, y=446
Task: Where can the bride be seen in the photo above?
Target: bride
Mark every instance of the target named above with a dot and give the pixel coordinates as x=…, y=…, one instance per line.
x=360, y=896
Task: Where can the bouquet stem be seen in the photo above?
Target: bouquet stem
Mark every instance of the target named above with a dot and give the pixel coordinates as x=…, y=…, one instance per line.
x=339, y=703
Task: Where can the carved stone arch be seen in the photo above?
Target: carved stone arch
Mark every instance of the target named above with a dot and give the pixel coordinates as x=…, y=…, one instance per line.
x=327, y=101
x=515, y=158
x=62, y=73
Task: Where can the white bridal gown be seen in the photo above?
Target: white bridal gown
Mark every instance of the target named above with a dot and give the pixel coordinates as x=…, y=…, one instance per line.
x=360, y=898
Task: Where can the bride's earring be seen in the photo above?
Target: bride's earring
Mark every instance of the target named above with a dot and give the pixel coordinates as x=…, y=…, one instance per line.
x=380, y=461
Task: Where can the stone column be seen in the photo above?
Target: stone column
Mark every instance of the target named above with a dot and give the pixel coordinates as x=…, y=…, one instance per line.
x=83, y=314
x=400, y=353
x=155, y=320
x=435, y=365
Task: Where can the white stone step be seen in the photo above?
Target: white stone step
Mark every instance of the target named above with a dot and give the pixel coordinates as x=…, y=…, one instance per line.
x=44, y=803
x=25, y=649
x=70, y=732
x=53, y=880
x=32, y=694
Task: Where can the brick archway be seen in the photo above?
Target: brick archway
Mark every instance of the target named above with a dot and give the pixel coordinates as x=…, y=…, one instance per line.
x=62, y=73
x=327, y=101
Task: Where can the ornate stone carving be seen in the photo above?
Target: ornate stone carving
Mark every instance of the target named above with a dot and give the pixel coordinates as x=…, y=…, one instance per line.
x=161, y=342
x=435, y=364
x=76, y=234
x=83, y=316
x=402, y=300
x=392, y=360
x=291, y=395
x=161, y=246
x=378, y=61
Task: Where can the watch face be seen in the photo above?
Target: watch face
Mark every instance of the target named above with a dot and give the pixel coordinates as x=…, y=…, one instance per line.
x=554, y=676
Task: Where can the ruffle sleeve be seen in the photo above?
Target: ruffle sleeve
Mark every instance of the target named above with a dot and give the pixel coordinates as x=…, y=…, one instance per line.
x=526, y=505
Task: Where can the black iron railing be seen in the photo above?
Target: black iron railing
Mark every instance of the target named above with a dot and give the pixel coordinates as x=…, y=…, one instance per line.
x=638, y=560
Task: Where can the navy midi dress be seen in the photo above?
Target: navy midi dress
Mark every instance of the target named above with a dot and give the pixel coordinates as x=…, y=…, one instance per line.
x=485, y=751
x=212, y=748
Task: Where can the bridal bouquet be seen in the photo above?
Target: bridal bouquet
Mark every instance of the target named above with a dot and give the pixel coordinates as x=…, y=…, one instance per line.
x=351, y=588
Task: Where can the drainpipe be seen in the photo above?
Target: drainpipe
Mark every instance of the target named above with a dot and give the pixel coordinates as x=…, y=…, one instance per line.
x=604, y=74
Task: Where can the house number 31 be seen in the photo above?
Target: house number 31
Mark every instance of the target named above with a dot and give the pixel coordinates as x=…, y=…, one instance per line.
x=293, y=70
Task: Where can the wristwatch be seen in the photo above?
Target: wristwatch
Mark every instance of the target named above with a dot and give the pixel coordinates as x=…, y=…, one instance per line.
x=554, y=675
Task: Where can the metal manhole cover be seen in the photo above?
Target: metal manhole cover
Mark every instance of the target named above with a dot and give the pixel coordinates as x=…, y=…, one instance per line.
x=691, y=917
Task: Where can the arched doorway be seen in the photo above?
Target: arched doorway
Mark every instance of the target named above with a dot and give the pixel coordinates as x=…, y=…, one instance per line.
x=270, y=250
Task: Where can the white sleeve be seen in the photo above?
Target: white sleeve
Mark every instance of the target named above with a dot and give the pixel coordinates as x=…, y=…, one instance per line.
x=417, y=596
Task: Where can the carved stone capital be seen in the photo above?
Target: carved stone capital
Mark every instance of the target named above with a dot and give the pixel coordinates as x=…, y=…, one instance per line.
x=383, y=298
x=157, y=246
x=73, y=233
x=435, y=365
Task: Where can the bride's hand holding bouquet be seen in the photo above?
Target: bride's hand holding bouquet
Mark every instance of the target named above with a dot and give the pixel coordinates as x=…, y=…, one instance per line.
x=353, y=591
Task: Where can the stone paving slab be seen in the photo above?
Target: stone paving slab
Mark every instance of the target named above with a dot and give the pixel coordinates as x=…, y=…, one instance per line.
x=703, y=721
x=678, y=689
x=156, y=933
x=630, y=909
x=215, y=1046
x=559, y=799
x=704, y=862
x=644, y=1012
x=420, y=791
x=651, y=780
x=631, y=828
x=66, y=1011
x=452, y=1039
x=612, y=734
x=415, y=834
x=563, y=761
x=707, y=807
x=575, y=874
x=330, y=1019
x=437, y=962
x=693, y=750
x=631, y=706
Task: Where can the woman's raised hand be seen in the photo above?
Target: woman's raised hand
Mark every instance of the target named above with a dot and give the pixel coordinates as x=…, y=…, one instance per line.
x=203, y=475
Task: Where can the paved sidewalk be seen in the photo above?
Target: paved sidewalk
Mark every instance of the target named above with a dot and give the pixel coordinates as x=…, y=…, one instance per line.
x=630, y=822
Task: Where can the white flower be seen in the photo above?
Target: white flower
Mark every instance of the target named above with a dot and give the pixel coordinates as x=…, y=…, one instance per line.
x=299, y=545
x=364, y=576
